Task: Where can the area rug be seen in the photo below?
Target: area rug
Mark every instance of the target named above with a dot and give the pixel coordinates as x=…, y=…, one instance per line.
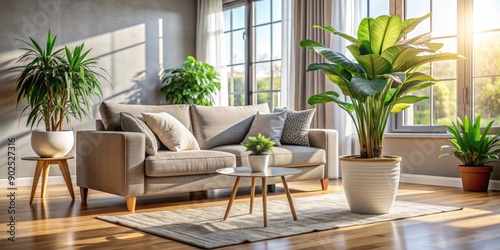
x=204, y=227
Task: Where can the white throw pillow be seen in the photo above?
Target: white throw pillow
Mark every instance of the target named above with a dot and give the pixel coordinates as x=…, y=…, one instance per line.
x=171, y=132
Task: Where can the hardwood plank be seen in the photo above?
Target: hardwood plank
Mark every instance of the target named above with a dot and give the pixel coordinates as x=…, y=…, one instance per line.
x=57, y=222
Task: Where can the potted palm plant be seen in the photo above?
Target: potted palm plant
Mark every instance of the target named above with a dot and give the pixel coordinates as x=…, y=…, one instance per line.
x=193, y=82
x=56, y=88
x=259, y=146
x=388, y=67
x=474, y=149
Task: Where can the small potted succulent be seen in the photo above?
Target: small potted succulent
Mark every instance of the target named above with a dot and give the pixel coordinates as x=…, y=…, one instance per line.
x=474, y=149
x=259, y=146
x=193, y=82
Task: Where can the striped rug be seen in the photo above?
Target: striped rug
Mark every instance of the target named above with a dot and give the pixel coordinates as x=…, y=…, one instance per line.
x=204, y=227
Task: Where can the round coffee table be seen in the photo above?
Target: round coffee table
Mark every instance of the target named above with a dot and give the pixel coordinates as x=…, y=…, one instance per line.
x=245, y=171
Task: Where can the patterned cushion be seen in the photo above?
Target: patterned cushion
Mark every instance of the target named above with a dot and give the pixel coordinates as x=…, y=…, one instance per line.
x=130, y=123
x=269, y=125
x=171, y=131
x=296, y=129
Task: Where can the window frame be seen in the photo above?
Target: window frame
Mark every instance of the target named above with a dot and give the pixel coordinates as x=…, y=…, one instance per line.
x=465, y=75
x=250, y=61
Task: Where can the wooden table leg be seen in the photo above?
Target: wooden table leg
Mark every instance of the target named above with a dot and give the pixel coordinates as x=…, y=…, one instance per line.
x=264, y=200
x=233, y=194
x=289, y=196
x=45, y=176
x=252, y=194
x=63, y=165
x=38, y=170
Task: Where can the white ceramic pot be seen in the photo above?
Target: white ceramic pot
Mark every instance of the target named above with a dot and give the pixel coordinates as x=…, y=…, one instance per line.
x=258, y=163
x=370, y=185
x=49, y=144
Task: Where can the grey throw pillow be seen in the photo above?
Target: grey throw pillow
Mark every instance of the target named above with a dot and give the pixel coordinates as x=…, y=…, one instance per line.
x=269, y=125
x=296, y=128
x=130, y=123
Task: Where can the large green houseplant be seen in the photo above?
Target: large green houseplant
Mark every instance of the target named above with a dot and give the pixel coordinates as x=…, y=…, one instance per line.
x=57, y=85
x=387, y=68
x=474, y=149
x=193, y=82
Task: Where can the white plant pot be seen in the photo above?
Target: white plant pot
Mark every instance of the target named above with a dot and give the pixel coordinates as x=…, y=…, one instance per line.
x=370, y=185
x=258, y=163
x=49, y=144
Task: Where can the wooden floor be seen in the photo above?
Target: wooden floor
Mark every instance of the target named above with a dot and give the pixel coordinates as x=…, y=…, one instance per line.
x=59, y=223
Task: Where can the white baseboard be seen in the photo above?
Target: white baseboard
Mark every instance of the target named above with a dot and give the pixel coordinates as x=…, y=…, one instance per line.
x=441, y=181
x=28, y=181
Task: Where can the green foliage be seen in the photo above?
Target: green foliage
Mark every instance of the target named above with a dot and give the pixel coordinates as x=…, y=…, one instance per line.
x=57, y=87
x=259, y=145
x=472, y=147
x=194, y=82
x=387, y=68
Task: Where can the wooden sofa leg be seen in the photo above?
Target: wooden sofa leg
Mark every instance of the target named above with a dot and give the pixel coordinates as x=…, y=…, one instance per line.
x=131, y=203
x=324, y=183
x=83, y=193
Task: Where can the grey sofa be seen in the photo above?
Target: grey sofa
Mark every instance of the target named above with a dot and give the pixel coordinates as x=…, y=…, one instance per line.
x=114, y=161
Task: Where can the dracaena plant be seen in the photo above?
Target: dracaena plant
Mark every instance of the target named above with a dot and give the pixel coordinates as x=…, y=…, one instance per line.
x=469, y=145
x=387, y=68
x=57, y=84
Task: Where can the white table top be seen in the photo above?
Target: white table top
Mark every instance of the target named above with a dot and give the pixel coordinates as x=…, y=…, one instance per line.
x=246, y=171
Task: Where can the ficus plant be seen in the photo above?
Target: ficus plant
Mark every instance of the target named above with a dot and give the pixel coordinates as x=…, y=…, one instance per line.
x=471, y=146
x=387, y=68
x=57, y=84
x=193, y=82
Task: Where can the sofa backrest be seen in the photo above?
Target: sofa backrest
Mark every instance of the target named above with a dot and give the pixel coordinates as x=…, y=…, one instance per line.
x=110, y=113
x=216, y=126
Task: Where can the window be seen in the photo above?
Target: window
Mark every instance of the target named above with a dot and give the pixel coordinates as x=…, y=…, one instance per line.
x=234, y=30
x=254, y=67
x=469, y=87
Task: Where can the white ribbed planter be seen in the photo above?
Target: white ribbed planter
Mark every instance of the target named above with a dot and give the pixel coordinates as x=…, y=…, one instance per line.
x=370, y=185
x=50, y=144
x=258, y=163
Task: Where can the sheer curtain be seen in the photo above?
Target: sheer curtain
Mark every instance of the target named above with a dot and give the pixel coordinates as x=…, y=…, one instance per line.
x=287, y=59
x=346, y=15
x=210, y=42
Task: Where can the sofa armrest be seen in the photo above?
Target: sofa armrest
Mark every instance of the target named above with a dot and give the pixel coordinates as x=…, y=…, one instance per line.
x=327, y=139
x=111, y=161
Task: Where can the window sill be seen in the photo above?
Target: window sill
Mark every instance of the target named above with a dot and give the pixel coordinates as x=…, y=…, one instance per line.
x=418, y=135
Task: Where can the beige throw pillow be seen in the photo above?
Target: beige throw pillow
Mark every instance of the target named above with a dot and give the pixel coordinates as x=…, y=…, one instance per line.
x=171, y=132
x=269, y=125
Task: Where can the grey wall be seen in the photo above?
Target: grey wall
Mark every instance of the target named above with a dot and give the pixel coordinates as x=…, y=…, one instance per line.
x=132, y=38
x=421, y=156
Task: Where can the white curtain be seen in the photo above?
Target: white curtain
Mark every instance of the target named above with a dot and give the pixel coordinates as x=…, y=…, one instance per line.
x=287, y=60
x=210, y=42
x=346, y=16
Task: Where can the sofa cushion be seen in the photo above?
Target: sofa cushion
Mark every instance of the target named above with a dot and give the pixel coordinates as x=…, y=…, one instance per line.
x=296, y=128
x=170, y=131
x=110, y=113
x=216, y=126
x=269, y=125
x=130, y=123
x=168, y=163
x=284, y=156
